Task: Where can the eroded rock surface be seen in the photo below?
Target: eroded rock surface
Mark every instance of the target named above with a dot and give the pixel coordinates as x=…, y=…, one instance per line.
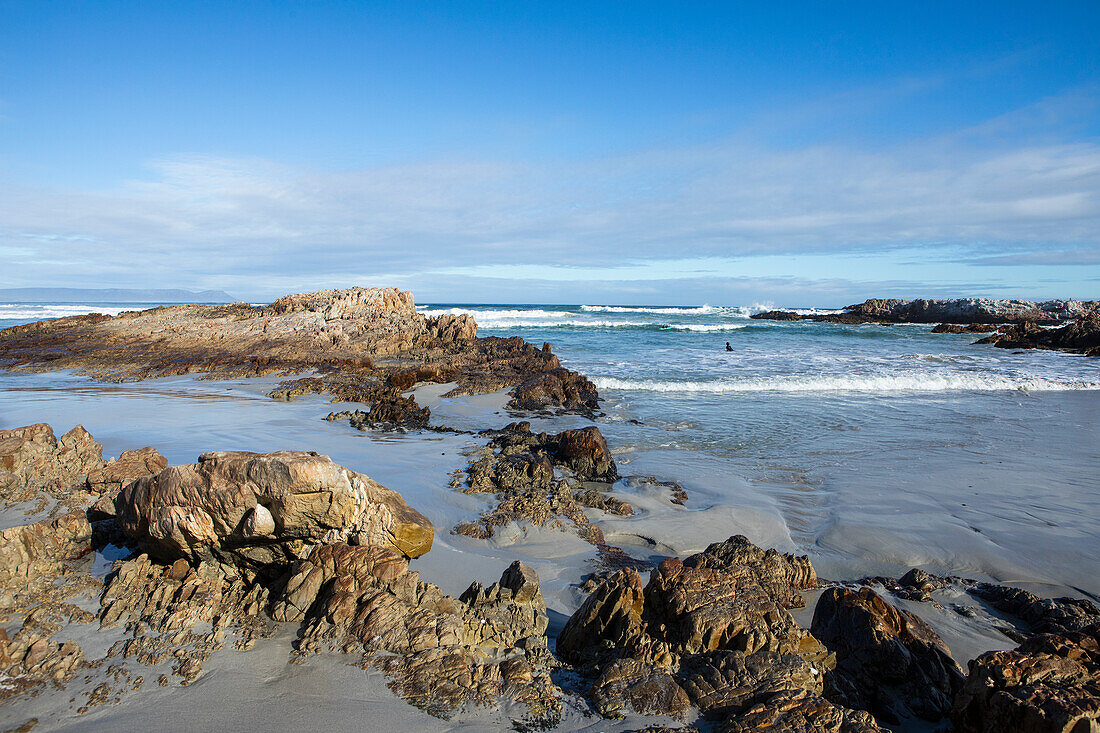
x=33, y=460
x=710, y=631
x=888, y=661
x=261, y=509
x=519, y=467
x=132, y=464
x=441, y=653
x=1050, y=683
x=1042, y=615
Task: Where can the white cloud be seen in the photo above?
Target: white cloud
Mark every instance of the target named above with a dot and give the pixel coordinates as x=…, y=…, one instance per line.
x=256, y=226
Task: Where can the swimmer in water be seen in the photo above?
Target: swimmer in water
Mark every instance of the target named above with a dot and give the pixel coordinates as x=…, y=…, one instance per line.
x=728, y=347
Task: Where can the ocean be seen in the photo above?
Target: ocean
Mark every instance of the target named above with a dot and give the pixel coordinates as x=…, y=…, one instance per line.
x=871, y=448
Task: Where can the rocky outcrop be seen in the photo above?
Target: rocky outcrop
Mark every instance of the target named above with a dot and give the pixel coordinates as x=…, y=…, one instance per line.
x=1082, y=337
x=132, y=464
x=957, y=311
x=519, y=467
x=1050, y=683
x=263, y=509
x=969, y=328
x=1040, y=615
x=440, y=652
x=711, y=631
x=394, y=413
x=32, y=460
x=355, y=340
x=41, y=549
x=888, y=661
x=558, y=390
x=800, y=712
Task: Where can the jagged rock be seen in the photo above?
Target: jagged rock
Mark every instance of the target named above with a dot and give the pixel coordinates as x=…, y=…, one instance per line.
x=969, y=328
x=556, y=388
x=958, y=311
x=449, y=652
x=392, y=412
x=711, y=629
x=607, y=623
x=33, y=460
x=453, y=328
x=798, y=711
x=888, y=661
x=632, y=685
x=1042, y=615
x=519, y=467
x=207, y=509
x=723, y=683
x=132, y=464
x=41, y=549
x=782, y=575
x=722, y=606
x=1082, y=337
x=29, y=660
x=585, y=453
x=510, y=613
x=1050, y=683
x=181, y=613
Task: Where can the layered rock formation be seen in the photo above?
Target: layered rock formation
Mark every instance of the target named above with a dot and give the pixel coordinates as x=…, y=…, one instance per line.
x=1049, y=684
x=262, y=509
x=33, y=460
x=518, y=466
x=440, y=652
x=710, y=631
x=889, y=661
x=366, y=344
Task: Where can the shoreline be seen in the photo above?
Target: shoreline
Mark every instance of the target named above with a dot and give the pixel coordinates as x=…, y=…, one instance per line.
x=415, y=465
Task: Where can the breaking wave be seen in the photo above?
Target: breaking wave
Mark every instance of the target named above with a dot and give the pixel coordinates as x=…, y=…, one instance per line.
x=22, y=311
x=901, y=383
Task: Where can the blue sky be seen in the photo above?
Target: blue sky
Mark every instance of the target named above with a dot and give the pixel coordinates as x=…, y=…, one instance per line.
x=795, y=153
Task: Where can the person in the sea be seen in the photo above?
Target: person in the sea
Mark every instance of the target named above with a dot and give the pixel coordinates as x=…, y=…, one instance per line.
x=728, y=347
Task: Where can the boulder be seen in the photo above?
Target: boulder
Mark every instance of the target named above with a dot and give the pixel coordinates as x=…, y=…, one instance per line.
x=556, y=389
x=41, y=549
x=585, y=452
x=256, y=509
x=888, y=661
x=1050, y=683
x=132, y=464
x=33, y=460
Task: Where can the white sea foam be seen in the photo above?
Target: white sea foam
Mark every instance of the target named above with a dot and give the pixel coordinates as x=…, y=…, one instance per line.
x=701, y=310
x=703, y=327
x=858, y=383
x=516, y=314
x=23, y=311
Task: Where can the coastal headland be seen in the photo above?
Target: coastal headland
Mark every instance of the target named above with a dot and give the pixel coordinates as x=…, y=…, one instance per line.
x=240, y=551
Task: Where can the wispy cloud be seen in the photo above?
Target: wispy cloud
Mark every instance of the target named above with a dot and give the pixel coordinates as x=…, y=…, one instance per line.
x=256, y=226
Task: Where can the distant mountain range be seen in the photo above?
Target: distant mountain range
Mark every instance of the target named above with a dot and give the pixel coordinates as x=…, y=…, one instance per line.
x=112, y=295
